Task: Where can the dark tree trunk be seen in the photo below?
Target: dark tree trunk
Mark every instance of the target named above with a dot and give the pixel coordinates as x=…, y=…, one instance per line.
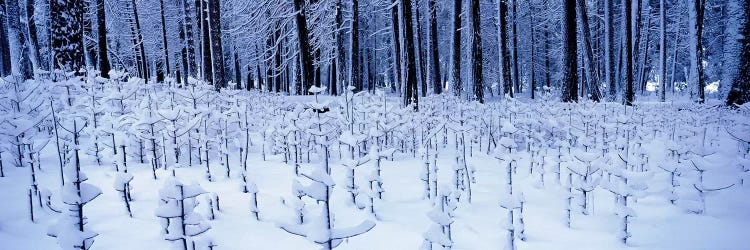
x=339, y=69
x=138, y=42
x=592, y=82
x=628, y=56
x=609, y=57
x=396, y=41
x=437, y=85
x=699, y=6
x=355, y=71
x=103, y=62
x=237, y=69
x=165, y=48
x=504, y=51
x=206, y=68
x=740, y=92
x=420, y=51
x=304, y=46
x=33, y=38
x=5, y=64
x=189, y=41
x=217, y=53
x=662, y=50
x=533, y=42
x=88, y=32
x=514, y=56
x=410, y=94
x=456, y=66
x=183, y=55
x=476, y=52
x=19, y=47
x=570, y=53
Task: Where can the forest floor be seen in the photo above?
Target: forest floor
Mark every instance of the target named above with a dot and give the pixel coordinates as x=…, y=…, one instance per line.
x=401, y=215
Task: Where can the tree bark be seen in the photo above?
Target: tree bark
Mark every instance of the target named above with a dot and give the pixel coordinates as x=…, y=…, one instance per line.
x=396, y=41
x=217, y=53
x=592, y=82
x=740, y=92
x=33, y=38
x=514, y=51
x=411, y=95
x=504, y=52
x=456, y=66
x=437, y=86
x=103, y=56
x=165, y=48
x=5, y=68
x=354, y=72
x=19, y=47
x=476, y=52
x=609, y=57
x=570, y=53
x=628, y=56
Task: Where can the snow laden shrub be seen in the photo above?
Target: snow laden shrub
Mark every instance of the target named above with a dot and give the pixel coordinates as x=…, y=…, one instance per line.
x=122, y=185
x=181, y=222
x=439, y=233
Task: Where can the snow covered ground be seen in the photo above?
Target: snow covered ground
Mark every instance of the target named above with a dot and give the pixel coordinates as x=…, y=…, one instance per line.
x=682, y=167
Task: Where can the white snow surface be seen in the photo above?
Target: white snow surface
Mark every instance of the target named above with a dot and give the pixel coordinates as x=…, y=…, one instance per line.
x=404, y=217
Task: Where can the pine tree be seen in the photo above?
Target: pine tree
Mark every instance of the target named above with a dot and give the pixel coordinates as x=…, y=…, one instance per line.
x=304, y=46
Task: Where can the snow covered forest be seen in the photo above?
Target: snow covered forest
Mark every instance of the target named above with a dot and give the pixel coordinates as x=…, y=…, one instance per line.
x=380, y=124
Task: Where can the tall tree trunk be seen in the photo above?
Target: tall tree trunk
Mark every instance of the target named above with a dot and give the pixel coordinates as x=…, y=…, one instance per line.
x=740, y=92
x=697, y=9
x=420, y=50
x=663, y=49
x=504, y=52
x=338, y=66
x=437, y=86
x=592, y=82
x=165, y=48
x=101, y=30
x=354, y=72
x=189, y=43
x=19, y=47
x=514, y=51
x=476, y=52
x=304, y=47
x=237, y=69
x=456, y=65
x=609, y=45
x=90, y=48
x=217, y=53
x=183, y=71
x=547, y=68
x=396, y=45
x=206, y=68
x=138, y=43
x=531, y=60
x=5, y=68
x=570, y=53
x=410, y=94
x=33, y=38
x=628, y=47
